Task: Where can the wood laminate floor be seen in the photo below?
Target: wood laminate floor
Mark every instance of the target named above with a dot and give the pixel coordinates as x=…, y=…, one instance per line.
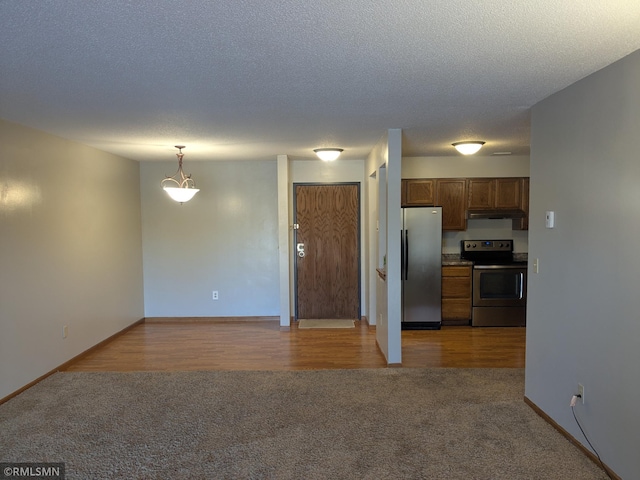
x=263, y=345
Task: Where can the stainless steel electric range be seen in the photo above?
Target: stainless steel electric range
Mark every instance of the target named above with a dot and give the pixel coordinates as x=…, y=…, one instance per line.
x=499, y=283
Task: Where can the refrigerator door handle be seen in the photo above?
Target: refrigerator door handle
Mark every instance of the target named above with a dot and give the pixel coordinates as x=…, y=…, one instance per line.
x=401, y=254
x=406, y=254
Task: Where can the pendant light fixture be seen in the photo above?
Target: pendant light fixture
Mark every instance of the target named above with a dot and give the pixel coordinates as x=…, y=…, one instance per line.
x=328, y=154
x=180, y=187
x=468, y=148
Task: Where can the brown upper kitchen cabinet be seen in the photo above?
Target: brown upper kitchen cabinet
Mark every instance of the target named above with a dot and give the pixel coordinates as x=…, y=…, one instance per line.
x=451, y=196
x=418, y=192
x=523, y=223
x=509, y=193
x=495, y=193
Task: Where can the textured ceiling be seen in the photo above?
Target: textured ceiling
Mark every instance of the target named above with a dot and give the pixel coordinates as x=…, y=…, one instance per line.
x=250, y=79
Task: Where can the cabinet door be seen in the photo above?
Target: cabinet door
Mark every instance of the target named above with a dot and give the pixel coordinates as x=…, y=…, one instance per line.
x=525, y=203
x=508, y=193
x=403, y=193
x=457, y=271
x=451, y=196
x=456, y=295
x=456, y=287
x=419, y=192
x=481, y=193
x=523, y=223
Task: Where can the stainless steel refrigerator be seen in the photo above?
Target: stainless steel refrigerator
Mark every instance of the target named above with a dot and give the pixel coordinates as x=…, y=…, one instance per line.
x=421, y=268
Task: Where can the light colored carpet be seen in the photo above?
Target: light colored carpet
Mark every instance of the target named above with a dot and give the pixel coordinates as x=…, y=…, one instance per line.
x=397, y=423
x=326, y=323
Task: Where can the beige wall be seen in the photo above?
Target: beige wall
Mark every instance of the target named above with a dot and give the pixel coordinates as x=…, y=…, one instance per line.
x=466, y=166
x=70, y=251
x=224, y=239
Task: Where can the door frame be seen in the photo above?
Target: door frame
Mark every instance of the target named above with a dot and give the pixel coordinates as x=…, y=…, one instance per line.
x=295, y=240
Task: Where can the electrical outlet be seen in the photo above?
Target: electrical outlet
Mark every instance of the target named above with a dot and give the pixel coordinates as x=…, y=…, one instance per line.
x=581, y=392
x=215, y=295
x=65, y=331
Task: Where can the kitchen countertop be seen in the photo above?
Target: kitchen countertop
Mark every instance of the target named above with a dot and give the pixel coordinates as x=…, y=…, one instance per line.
x=521, y=257
x=453, y=259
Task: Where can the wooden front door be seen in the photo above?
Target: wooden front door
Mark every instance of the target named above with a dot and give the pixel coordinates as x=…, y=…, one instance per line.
x=328, y=275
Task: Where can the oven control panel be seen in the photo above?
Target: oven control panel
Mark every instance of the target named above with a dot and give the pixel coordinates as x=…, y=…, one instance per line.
x=486, y=245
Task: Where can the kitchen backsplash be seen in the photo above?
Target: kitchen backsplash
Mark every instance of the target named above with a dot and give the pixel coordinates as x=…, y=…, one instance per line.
x=489, y=229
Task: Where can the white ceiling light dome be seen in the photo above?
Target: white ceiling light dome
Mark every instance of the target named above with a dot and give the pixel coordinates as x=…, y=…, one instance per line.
x=328, y=154
x=469, y=147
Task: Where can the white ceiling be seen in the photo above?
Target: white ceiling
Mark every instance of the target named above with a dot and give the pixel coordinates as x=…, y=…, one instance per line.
x=251, y=79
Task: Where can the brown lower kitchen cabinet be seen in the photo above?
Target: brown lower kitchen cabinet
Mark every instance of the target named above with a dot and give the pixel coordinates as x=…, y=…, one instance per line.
x=456, y=295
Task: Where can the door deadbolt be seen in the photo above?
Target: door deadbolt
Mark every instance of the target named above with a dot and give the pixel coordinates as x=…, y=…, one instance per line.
x=300, y=248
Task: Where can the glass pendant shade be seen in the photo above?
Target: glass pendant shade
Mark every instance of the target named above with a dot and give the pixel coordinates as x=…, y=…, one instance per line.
x=181, y=195
x=180, y=187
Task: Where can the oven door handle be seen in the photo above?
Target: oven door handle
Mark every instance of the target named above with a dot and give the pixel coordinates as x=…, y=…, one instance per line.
x=521, y=294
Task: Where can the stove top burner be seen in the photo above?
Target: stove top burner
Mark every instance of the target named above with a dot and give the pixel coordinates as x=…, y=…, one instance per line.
x=488, y=252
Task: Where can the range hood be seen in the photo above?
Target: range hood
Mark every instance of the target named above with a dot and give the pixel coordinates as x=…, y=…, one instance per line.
x=473, y=214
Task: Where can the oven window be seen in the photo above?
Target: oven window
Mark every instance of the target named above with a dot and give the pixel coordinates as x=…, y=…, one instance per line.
x=501, y=285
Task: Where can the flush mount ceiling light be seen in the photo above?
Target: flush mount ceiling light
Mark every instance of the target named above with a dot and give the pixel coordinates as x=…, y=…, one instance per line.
x=180, y=187
x=468, y=148
x=328, y=154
